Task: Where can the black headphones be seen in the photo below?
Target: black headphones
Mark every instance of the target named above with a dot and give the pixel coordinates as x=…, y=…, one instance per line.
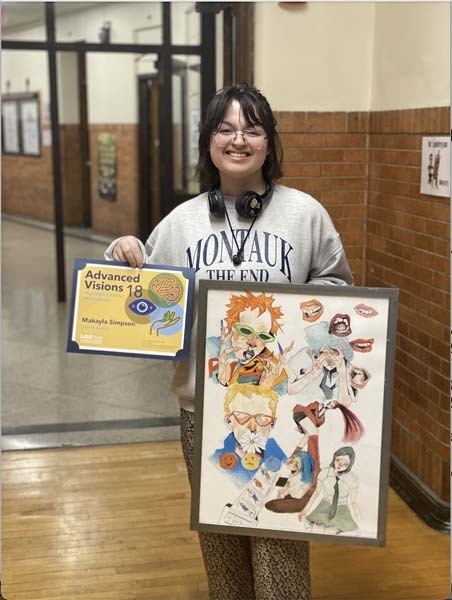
x=247, y=204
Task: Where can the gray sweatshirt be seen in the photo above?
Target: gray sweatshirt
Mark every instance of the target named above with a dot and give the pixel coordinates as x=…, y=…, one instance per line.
x=292, y=241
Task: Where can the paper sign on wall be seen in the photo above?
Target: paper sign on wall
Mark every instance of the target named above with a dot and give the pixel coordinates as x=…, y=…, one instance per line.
x=435, y=170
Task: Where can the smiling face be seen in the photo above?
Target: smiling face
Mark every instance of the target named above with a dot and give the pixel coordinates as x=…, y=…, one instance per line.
x=239, y=164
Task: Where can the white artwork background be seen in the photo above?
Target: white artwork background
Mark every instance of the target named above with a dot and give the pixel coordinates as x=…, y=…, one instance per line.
x=218, y=487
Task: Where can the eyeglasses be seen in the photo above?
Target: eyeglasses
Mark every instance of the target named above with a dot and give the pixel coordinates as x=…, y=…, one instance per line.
x=247, y=331
x=255, y=138
x=261, y=420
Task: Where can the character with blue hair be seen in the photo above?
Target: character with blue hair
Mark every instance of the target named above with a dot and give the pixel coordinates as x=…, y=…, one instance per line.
x=330, y=357
x=327, y=372
x=299, y=487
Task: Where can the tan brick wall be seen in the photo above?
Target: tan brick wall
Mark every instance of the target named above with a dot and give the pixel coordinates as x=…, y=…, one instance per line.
x=118, y=217
x=365, y=169
x=408, y=247
x=27, y=182
x=326, y=155
x=27, y=185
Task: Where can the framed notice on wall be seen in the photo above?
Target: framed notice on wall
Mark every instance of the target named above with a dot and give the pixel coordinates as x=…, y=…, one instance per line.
x=292, y=435
x=21, y=124
x=106, y=143
x=29, y=119
x=435, y=169
x=10, y=127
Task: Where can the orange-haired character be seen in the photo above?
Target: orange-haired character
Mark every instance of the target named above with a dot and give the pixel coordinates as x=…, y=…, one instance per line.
x=251, y=324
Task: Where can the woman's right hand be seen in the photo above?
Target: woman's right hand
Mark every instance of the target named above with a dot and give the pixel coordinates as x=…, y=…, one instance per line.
x=128, y=250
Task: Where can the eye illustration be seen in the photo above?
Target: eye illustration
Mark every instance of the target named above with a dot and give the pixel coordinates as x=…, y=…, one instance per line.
x=142, y=306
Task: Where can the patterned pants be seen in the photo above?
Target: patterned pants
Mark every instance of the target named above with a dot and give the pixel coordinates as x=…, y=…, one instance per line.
x=249, y=568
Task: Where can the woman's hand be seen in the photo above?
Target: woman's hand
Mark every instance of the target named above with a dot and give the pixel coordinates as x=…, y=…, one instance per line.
x=128, y=250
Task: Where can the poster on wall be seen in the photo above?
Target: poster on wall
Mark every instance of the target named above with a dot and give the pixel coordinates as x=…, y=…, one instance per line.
x=10, y=127
x=294, y=387
x=435, y=168
x=106, y=144
x=30, y=127
x=121, y=311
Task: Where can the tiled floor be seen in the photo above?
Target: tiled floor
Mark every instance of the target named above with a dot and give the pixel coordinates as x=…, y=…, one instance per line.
x=50, y=397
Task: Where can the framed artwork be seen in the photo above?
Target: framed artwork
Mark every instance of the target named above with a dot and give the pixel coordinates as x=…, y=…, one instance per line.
x=293, y=416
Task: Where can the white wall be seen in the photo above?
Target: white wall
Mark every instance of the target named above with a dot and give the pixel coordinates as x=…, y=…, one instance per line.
x=68, y=97
x=315, y=56
x=353, y=56
x=17, y=65
x=412, y=55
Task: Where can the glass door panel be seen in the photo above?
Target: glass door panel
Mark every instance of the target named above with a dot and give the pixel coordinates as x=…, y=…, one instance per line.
x=186, y=111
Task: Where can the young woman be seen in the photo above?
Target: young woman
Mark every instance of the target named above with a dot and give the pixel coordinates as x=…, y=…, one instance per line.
x=246, y=227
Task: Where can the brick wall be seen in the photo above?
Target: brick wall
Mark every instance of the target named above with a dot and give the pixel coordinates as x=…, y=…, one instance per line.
x=326, y=155
x=118, y=217
x=27, y=182
x=365, y=169
x=27, y=185
x=408, y=247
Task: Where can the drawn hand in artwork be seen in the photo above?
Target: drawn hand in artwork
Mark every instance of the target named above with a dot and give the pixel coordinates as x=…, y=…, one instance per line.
x=169, y=318
x=275, y=366
x=224, y=360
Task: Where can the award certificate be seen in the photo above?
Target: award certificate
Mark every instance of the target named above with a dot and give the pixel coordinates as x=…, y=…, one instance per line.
x=118, y=310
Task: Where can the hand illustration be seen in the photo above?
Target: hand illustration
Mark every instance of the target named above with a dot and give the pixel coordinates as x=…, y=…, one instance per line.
x=169, y=318
x=223, y=360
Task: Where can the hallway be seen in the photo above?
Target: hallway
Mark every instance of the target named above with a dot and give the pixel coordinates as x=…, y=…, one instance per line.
x=51, y=398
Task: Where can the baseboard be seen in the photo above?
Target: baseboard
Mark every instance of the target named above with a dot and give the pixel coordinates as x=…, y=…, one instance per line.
x=421, y=499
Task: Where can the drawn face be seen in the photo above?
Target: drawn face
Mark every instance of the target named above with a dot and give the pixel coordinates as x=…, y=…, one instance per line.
x=251, y=421
x=341, y=463
x=294, y=464
x=250, y=462
x=251, y=335
x=228, y=461
x=330, y=357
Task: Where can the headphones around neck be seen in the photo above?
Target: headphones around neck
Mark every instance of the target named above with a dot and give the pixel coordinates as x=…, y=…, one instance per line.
x=247, y=204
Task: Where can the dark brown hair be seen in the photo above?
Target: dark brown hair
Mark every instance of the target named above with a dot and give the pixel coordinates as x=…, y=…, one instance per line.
x=257, y=111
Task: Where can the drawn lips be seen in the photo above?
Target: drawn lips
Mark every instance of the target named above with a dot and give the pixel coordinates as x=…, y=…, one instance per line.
x=311, y=310
x=361, y=345
x=340, y=325
x=365, y=311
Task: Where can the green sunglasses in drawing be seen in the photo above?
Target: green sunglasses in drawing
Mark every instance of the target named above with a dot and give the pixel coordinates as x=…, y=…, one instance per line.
x=247, y=331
